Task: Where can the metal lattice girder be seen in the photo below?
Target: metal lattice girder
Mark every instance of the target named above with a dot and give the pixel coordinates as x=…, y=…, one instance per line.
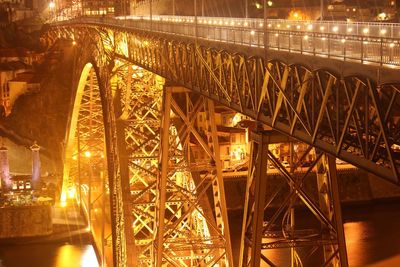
x=169, y=204
x=186, y=225
x=262, y=231
x=85, y=166
x=317, y=107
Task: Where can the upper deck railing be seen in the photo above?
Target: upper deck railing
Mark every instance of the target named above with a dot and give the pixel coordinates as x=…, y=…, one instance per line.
x=363, y=42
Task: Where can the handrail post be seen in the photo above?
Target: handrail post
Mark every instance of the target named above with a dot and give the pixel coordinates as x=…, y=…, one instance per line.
x=362, y=49
x=381, y=51
x=329, y=45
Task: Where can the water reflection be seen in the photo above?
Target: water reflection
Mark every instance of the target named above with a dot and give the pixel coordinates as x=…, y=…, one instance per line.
x=47, y=255
x=356, y=246
x=372, y=237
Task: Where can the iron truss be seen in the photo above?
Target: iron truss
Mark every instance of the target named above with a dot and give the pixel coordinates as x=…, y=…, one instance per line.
x=172, y=223
x=352, y=118
x=278, y=228
x=160, y=212
x=174, y=219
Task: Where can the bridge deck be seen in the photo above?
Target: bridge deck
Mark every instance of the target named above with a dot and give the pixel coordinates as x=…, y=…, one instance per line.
x=367, y=43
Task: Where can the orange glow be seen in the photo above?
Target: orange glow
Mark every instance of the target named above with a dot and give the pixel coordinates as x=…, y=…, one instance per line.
x=297, y=15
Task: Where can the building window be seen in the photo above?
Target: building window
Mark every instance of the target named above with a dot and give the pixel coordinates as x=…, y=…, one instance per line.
x=228, y=150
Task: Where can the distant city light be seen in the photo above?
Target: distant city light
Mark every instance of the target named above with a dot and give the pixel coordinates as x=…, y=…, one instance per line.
x=52, y=5
x=270, y=3
x=365, y=30
x=382, y=16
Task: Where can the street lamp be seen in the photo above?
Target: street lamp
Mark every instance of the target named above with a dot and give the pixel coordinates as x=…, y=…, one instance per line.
x=52, y=5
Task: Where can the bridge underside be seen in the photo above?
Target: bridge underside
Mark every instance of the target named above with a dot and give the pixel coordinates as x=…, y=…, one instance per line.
x=165, y=208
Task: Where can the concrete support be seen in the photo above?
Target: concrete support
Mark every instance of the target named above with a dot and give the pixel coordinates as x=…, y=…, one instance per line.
x=4, y=169
x=35, y=165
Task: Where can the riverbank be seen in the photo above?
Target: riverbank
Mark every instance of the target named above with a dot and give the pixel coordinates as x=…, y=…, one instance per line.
x=68, y=227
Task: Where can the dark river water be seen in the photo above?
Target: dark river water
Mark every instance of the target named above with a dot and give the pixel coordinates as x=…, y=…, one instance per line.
x=372, y=238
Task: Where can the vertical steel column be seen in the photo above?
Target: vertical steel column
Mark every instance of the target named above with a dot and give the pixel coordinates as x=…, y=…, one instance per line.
x=255, y=201
x=325, y=201
x=124, y=169
x=337, y=210
x=162, y=181
x=220, y=182
x=329, y=202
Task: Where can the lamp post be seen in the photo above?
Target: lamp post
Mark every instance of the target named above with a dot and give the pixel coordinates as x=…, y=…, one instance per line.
x=322, y=10
x=246, y=9
x=195, y=20
x=151, y=14
x=52, y=5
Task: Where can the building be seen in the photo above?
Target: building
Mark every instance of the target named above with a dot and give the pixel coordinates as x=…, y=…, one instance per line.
x=16, y=75
x=97, y=8
x=233, y=139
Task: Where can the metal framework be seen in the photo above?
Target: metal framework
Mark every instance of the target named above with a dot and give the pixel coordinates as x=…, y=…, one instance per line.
x=353, y=118
x=157, y=188
x=85, y=168
x=262, y=231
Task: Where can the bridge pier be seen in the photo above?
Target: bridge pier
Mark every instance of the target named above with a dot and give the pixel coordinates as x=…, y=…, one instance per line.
x=261, y=230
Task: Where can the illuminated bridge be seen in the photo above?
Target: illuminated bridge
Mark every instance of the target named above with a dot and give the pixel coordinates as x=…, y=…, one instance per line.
x=141, y=86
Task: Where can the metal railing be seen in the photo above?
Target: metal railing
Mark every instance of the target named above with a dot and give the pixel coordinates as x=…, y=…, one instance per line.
x=364, y=42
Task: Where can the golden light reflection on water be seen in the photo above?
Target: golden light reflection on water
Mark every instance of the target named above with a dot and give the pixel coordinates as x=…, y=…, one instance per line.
x=67, y=253
x=355, y=232
x=89, y=258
